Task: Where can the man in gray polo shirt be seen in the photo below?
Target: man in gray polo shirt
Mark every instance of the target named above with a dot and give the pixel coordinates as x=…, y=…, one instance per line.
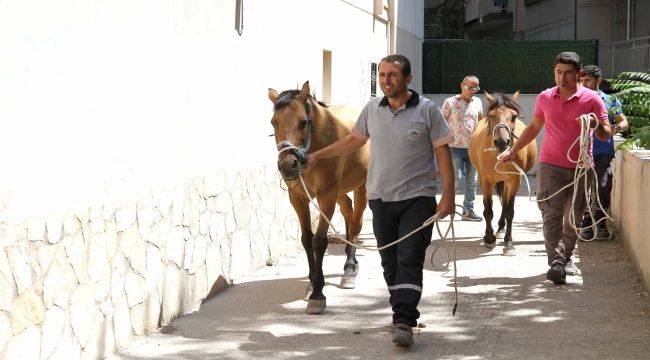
x=408, y=132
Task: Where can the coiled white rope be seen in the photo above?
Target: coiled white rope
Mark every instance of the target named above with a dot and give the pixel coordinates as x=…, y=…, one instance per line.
x=584, y=163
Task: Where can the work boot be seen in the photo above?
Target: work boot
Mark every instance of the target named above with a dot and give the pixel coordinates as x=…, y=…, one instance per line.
x=402, y=335
x=556, y=274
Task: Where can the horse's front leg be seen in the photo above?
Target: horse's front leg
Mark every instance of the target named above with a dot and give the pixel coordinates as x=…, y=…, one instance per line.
x=489, y=239
x=509, y=213
x=501, y=224
x=316, y=303
x=301, y=206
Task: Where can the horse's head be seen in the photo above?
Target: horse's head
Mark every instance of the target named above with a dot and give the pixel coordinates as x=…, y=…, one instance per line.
x=292, y=124
x=502, y=116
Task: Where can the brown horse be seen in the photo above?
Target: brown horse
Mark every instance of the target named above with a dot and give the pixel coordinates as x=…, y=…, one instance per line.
x=492, y=135
x=302, y=125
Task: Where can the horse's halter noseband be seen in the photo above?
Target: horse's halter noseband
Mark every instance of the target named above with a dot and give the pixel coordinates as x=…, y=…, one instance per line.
x=497, y=127
x=300, y=152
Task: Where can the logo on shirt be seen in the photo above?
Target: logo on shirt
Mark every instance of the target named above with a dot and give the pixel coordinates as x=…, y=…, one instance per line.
x=413, y=134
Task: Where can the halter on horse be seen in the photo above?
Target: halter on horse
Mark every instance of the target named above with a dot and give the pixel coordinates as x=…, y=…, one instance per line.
x=302, y=125
x=492, y=136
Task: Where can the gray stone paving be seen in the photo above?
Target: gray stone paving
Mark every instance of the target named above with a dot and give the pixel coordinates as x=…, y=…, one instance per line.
x=506, y=307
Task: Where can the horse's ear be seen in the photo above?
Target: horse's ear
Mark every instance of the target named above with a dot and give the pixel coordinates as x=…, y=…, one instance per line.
x=515, y=96
x=273, y=95
x=489, y=97
x=304, y=92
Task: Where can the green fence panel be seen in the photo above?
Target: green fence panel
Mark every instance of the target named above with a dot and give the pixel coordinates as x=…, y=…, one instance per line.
x=504, y=65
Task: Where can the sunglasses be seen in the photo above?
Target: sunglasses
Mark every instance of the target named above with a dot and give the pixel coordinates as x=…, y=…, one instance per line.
x=474, y=88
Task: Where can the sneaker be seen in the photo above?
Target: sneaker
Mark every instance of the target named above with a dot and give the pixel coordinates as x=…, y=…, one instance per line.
x=470, y=216
x=556, y=274
x=570, y=268
x=402, y=335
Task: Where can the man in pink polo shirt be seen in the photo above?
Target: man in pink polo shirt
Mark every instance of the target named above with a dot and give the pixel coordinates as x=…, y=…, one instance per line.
x=558, y=109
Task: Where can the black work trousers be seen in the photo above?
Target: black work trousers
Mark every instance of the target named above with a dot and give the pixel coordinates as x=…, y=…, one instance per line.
x=603, y=167
x=403, y=262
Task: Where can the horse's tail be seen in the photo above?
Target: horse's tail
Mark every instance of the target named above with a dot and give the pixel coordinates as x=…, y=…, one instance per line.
x=499, y=188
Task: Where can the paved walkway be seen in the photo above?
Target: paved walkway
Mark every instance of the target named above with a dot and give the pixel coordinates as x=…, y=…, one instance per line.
x=507, y=309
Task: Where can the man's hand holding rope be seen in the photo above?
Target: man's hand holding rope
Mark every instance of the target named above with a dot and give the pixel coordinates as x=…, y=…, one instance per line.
x=602, y=129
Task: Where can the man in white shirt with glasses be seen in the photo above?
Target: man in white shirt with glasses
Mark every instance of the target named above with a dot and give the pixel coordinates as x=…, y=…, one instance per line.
x=462, y=113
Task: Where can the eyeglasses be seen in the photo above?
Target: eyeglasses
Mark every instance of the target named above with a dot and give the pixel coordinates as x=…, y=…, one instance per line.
x=473, y=88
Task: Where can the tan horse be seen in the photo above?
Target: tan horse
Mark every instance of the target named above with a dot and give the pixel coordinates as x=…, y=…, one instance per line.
x=302, y=125
x=492, y=135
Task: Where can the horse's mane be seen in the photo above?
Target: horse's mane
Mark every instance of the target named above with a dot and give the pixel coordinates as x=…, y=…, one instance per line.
x=500, y=100
x=285, y=98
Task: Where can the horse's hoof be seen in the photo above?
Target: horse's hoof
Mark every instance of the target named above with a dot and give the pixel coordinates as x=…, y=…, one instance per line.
x=348, y=282
x=315, y=306
x=491, y=244
x=350, y=270
x=500, y=234
x=308, y=292
x=509, y=251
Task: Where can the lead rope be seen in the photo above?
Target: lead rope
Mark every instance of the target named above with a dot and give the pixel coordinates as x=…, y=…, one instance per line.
x=428, y=222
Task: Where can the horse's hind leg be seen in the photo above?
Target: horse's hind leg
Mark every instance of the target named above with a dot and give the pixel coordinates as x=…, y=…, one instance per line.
x=350, y=268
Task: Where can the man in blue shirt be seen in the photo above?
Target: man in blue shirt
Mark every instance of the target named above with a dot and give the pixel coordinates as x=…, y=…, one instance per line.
x=603, y=153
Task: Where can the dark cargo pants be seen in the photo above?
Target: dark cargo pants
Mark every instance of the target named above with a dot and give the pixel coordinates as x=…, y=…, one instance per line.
x=559, y=236
x=402, y=263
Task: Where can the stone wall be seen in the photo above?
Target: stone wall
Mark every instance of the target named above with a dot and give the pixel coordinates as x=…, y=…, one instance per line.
x=630, y=201
x=79, y=285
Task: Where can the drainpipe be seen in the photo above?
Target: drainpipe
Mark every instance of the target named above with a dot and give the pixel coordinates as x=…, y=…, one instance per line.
x=575, y=19
x=627, y=27
x=392, y=30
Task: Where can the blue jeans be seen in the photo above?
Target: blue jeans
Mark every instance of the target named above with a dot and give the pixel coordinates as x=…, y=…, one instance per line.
x=464, y=172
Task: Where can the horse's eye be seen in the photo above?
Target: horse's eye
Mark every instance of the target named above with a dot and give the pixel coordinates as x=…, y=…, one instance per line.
x=514, y=117
x=274, y=124
x=302, y=124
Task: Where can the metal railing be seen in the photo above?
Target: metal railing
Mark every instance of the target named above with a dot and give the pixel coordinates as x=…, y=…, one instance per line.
x=629, y=55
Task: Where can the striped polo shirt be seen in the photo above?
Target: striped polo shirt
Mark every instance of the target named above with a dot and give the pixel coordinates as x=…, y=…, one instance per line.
x=402, y=159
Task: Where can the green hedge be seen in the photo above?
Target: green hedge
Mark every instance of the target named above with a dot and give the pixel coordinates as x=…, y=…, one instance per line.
x=501, y=65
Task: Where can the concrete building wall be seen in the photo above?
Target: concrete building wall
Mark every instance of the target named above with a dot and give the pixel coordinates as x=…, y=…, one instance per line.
x=138, y=174
x=593, y=20
x=605, y=20
x=629, y=206
x=410, y=37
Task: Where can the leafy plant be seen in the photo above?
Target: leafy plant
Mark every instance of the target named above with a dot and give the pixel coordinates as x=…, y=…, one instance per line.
x=633, y=88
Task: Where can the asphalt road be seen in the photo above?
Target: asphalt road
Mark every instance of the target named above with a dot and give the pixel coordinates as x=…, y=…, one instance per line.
x=506, y=307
